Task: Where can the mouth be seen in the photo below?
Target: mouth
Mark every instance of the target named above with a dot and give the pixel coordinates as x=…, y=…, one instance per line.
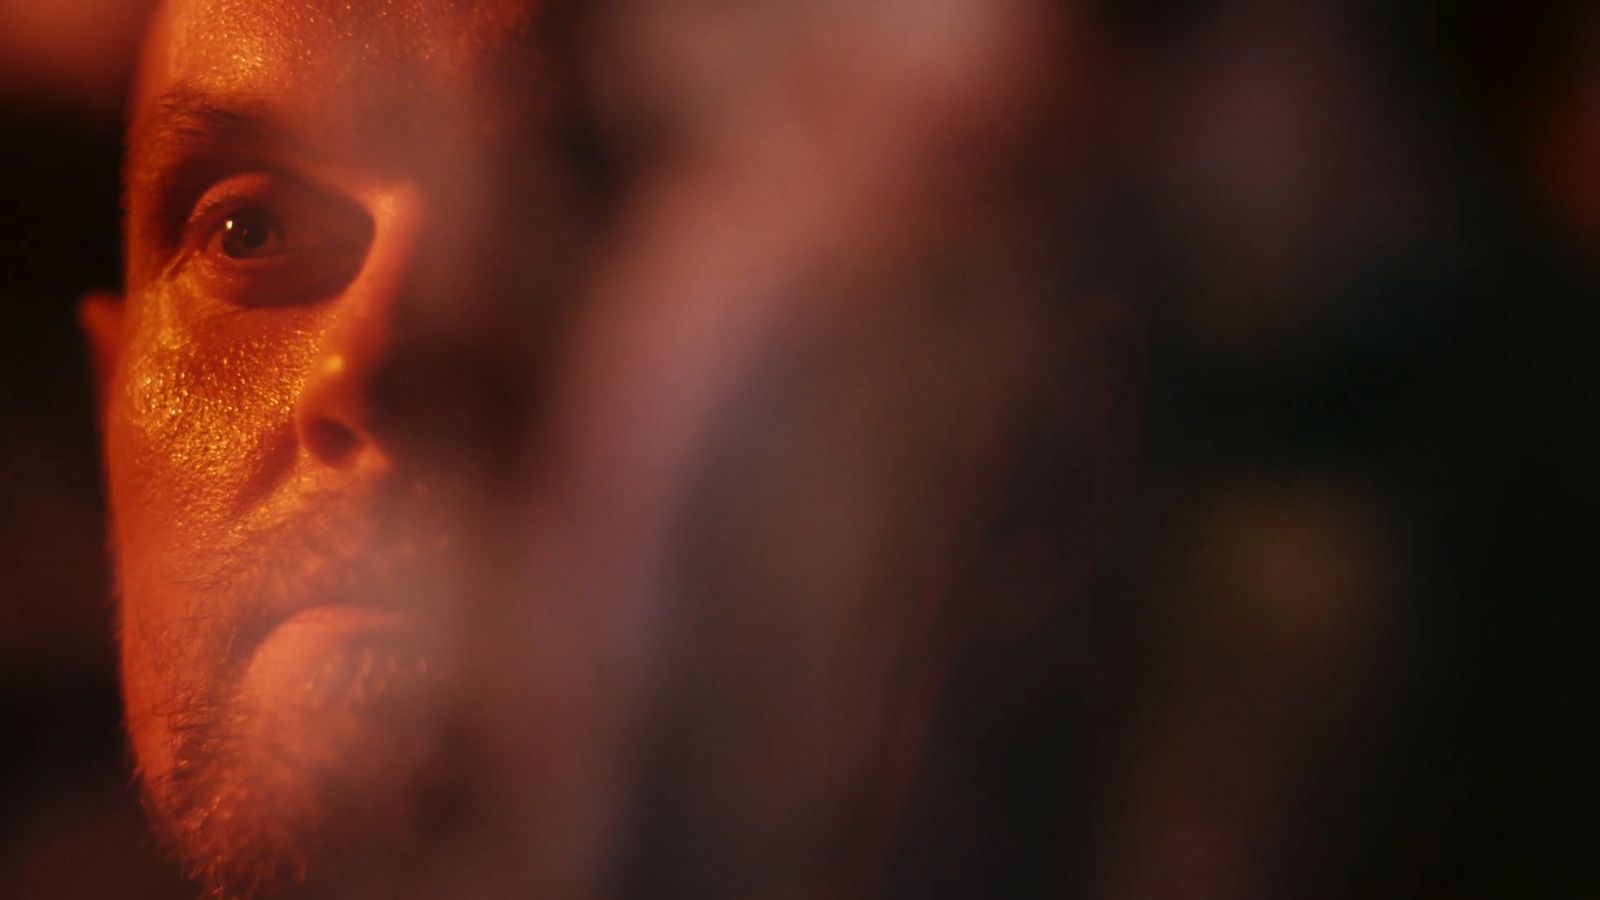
x=350, y=610
x=336, y=625
x=344, y=619
x=343, y=656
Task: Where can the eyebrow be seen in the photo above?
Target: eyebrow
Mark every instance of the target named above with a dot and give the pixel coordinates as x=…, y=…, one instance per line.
x=185, y=140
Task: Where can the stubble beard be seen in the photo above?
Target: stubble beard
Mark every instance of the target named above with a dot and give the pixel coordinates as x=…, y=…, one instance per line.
x=263, y=802
x=332, y=770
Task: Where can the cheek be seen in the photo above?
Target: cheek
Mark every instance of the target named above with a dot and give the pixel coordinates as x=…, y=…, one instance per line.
x=199, y=432
x=204, y=413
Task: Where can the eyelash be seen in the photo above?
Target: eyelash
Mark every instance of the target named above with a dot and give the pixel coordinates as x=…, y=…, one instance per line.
x=209, y=208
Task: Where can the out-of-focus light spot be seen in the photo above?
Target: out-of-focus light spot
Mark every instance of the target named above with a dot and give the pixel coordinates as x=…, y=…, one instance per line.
x=74, y=50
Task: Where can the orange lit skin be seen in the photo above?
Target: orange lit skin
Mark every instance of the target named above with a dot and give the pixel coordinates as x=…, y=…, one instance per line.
x=236, y=391
x=274, y=506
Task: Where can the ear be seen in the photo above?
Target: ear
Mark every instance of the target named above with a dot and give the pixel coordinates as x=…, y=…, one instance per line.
x=100, y=314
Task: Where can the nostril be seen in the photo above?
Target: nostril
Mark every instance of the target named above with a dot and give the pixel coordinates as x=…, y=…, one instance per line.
x=331, y=442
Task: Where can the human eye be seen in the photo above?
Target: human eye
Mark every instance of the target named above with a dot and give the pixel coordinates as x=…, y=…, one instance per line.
x=264, y=240
x=249, y=232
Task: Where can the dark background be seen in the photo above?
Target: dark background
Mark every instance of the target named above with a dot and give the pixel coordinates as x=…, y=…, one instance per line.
x=1342, y=646
x=71, y=827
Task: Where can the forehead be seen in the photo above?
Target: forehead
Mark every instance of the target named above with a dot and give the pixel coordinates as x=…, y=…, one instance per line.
x=333, y=62
x=237, y=37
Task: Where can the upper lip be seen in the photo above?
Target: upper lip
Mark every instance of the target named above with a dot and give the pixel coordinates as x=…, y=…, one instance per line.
x=370, y=547
x=378, y=579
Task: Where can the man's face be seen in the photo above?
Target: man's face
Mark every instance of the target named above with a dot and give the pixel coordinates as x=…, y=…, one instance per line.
x=410, y=548
x=338, y=268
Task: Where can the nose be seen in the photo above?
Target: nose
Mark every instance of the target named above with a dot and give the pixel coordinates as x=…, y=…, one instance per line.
x=335, y=418
x=331, y=424
x=424, y=359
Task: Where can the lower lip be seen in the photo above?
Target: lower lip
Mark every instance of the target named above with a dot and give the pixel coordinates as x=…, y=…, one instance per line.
x=301, y=649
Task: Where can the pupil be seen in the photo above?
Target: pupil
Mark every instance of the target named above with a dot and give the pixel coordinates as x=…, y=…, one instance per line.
x=246, y=233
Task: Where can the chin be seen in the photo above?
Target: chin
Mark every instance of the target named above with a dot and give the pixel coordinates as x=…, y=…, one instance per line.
x=320, y=764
